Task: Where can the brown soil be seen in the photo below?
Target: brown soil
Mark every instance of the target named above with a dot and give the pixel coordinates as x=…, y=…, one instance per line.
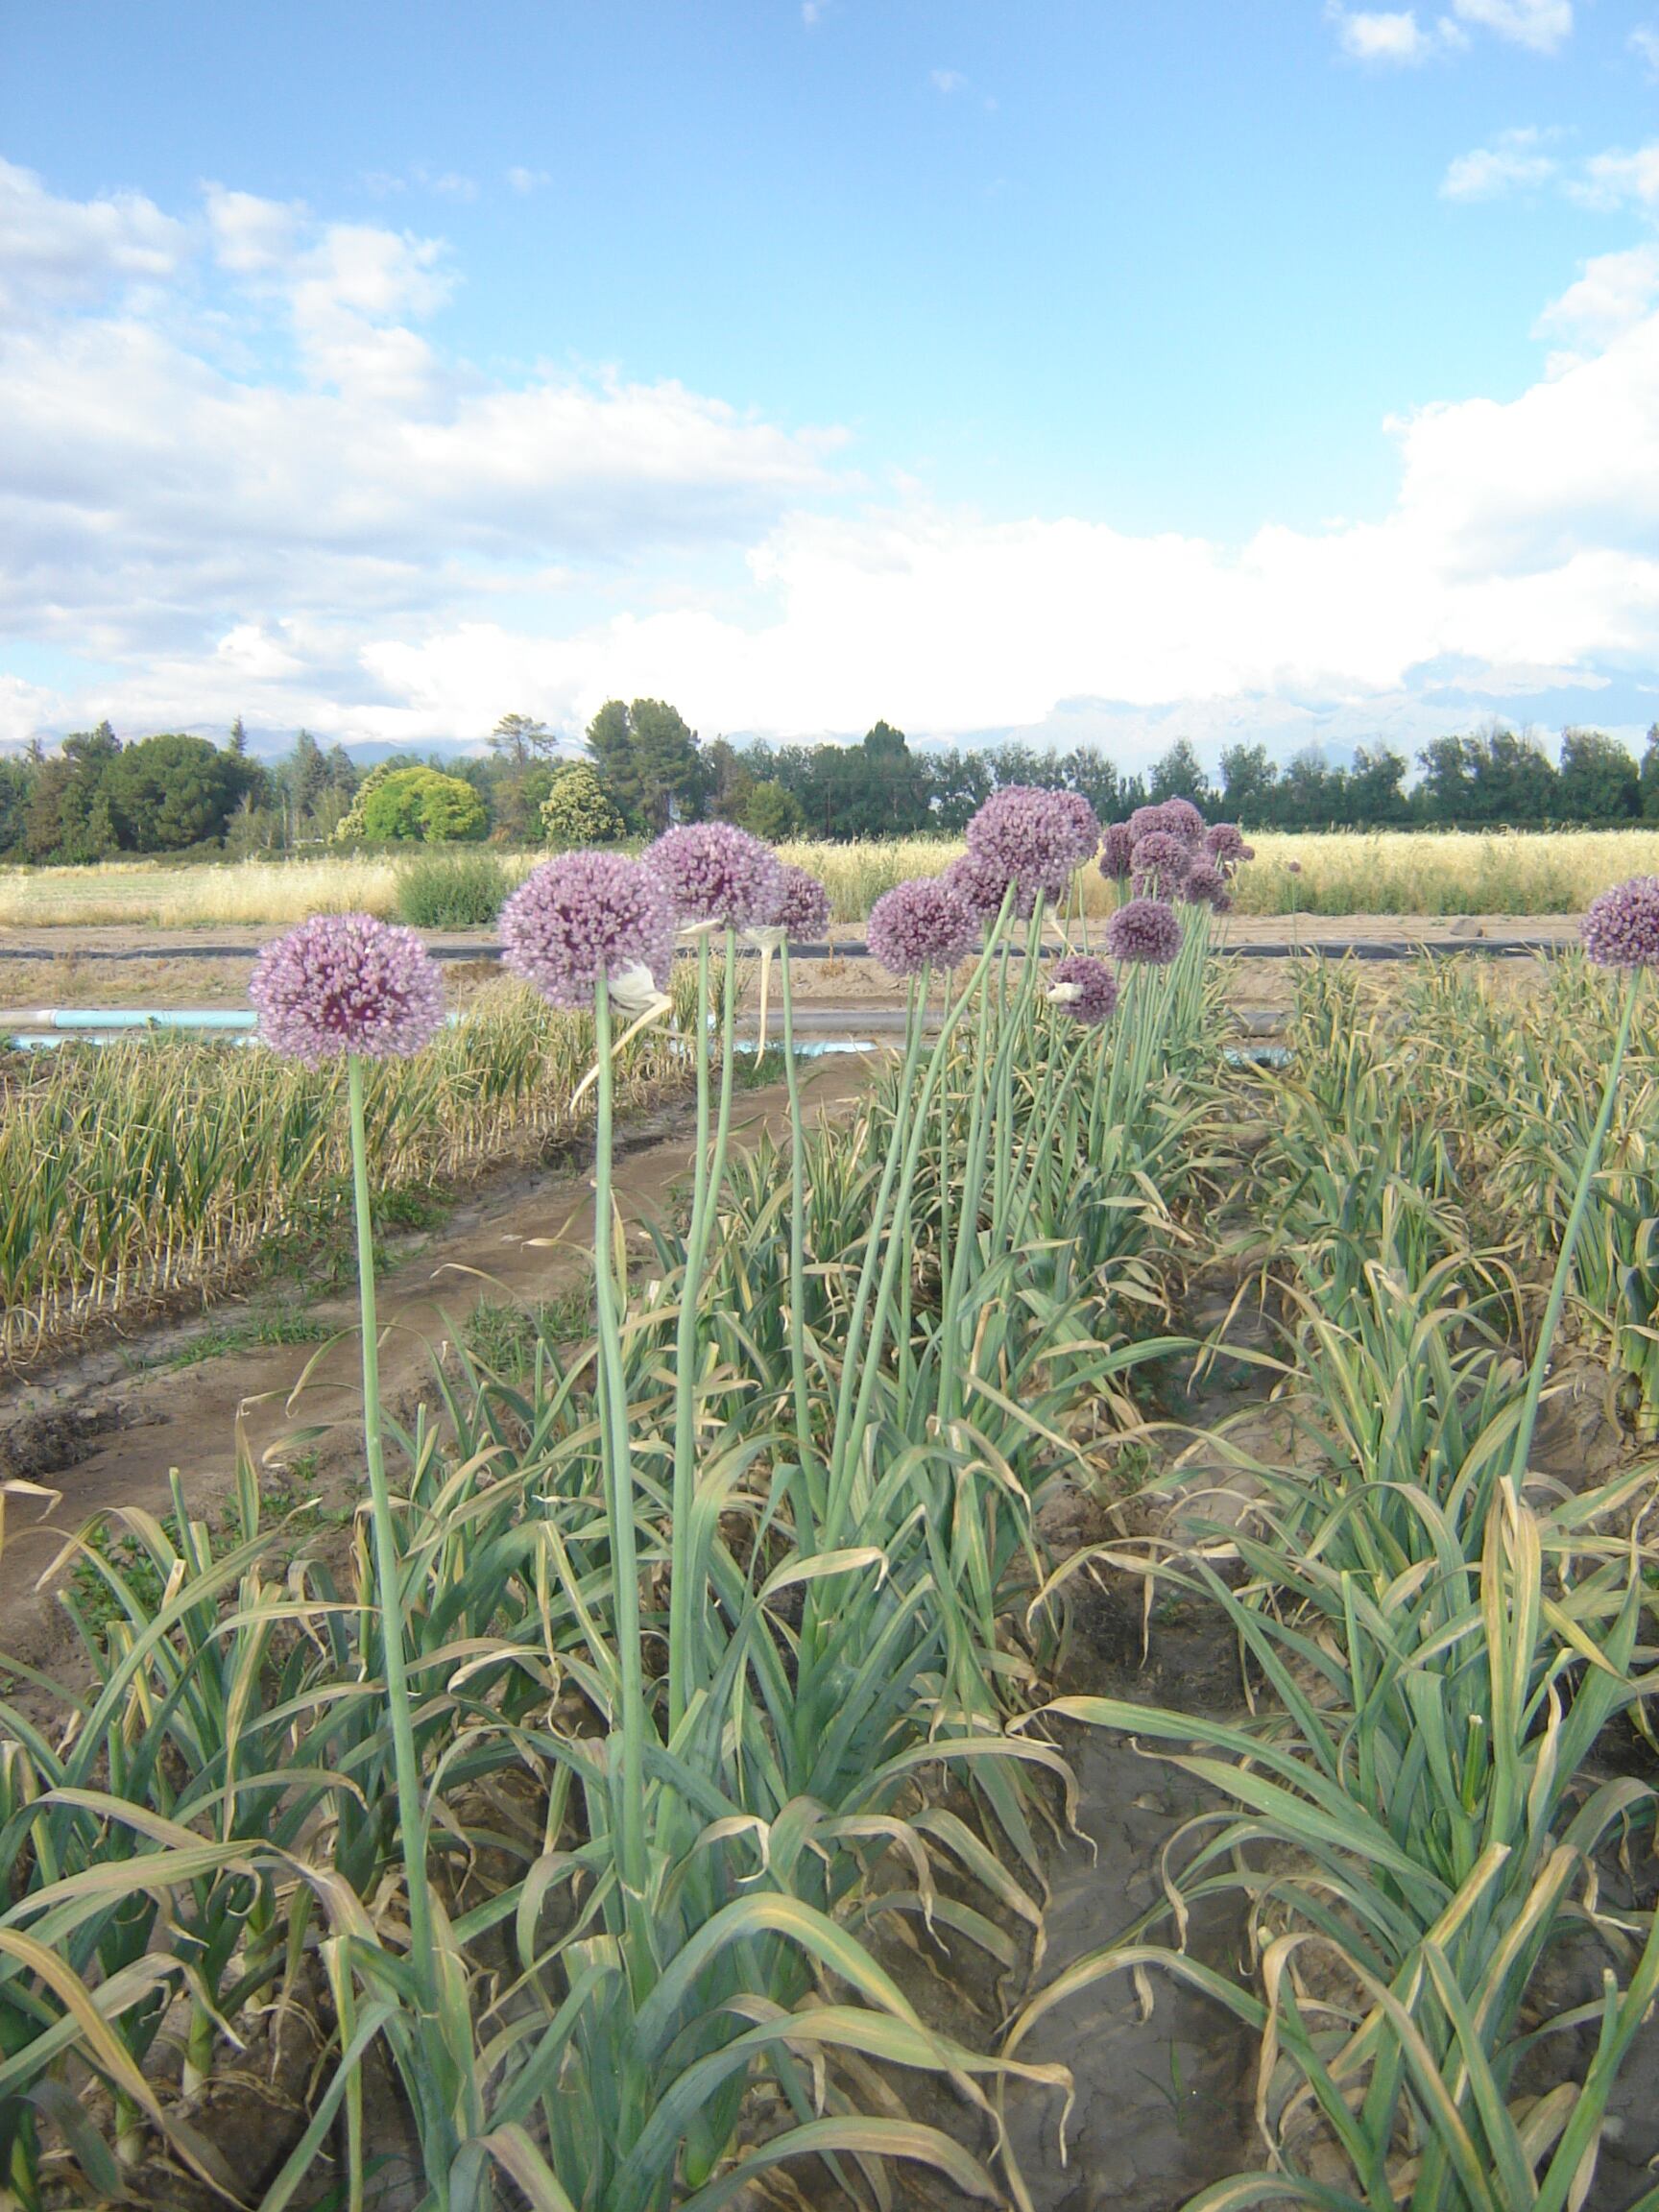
x=105, y=1431
x=82, y=969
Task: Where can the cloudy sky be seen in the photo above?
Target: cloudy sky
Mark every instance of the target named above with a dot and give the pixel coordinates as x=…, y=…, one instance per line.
x=1100, y=368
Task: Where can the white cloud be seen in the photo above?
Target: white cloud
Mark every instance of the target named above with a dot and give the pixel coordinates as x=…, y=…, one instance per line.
x=1383, y=35
x=1516, y=160
x=1397, y=35
x=1616, y=180
x=946, y=80
x=524, y=182
x=153, y=500
x=1543, y=25
x=1611, y=297
x=814, y=13
x=54, y=251
x=1644, y=43
x=346, y=528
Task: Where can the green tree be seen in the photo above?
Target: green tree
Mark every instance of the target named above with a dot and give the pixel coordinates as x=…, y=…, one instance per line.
x=350, y=824
x=731, y=777
x=1495, y=777
x=1597, y=781
x=64, y=822
x=17, y=780
x=305, y=772
x=1376, y=788
x=1179, y=775
x=171, y=791
x=959, y=782
x=1650, y=776
x=421, y=805
x=576, y=810
x=1249, y=785
x=1312, y=794
x=520, y=740
x=894, y=783
x=648, y=763
x=772, y=812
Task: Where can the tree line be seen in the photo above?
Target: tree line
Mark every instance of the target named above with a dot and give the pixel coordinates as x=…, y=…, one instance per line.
x=644, y=767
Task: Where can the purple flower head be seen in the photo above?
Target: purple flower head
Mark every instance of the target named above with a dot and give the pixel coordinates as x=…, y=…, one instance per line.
x=1207, y=886
x=1292, y=867
x=981, y=881
x=1160, y=862
x=1075, y=810
x=1034, y=836
x=347, y=984
x=803, y=904
x=1224, y=842
x=1144, y=929
x=716, y=873
x=1622, y=927
x=1116, y=853
x=583, y=916
x=920, y=924
x=1085, y=989
x=1176, y=818
x=1182, y=820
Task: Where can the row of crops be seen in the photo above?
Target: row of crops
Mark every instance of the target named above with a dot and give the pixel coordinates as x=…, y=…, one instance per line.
x=574, y=1800
x=140, y=1172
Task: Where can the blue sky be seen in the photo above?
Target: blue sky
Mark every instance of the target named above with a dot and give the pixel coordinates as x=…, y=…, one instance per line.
x=1092, y=368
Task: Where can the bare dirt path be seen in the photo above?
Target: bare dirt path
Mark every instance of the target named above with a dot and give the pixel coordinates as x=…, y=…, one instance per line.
x=521, y=1237
x=72, y=966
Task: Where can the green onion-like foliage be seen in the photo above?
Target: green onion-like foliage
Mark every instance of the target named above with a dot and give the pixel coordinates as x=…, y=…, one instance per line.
x=133, y=1172
x=1413, y=1823
x=663, y=1835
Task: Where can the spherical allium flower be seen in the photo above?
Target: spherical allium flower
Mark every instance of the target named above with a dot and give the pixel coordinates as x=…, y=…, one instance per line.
x=1622, y=927
x=1176, y=818
x=586, y=915
x=1159, y=863
x=1224, y=842
x=1116, y=851
x=347, y=984
x=981, y=881
x=1144, y=929
x=1071, y=808
x=716, y=873
x=1182, y=820
x=802, y=908
x=1033, y=836
x=1085, y=989
x=1292, y=867
x=1205, y=886
x=920, y=924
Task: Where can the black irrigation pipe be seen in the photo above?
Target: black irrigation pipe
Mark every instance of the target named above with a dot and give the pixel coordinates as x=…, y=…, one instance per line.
x=854, y=949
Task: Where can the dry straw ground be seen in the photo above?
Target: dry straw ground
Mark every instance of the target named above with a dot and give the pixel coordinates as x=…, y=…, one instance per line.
x=1342, y=872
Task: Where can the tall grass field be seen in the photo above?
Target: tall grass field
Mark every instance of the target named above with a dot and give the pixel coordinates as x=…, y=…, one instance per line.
x=1338, y=871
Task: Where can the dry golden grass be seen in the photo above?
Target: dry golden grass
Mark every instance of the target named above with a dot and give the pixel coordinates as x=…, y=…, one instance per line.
x=1340, y=872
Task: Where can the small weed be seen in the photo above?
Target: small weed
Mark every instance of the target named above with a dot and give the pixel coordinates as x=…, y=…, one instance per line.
x=502, y=1334
x=249, y=1335
x=413, y=1206
x=281, y=1492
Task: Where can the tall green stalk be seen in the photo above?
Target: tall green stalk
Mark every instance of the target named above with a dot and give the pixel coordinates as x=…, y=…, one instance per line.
x=684, y=1597
x=805, y=1454
x=388, y=1576
x=1570, y=1237
x=686, y=1330
x=613, y=1408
